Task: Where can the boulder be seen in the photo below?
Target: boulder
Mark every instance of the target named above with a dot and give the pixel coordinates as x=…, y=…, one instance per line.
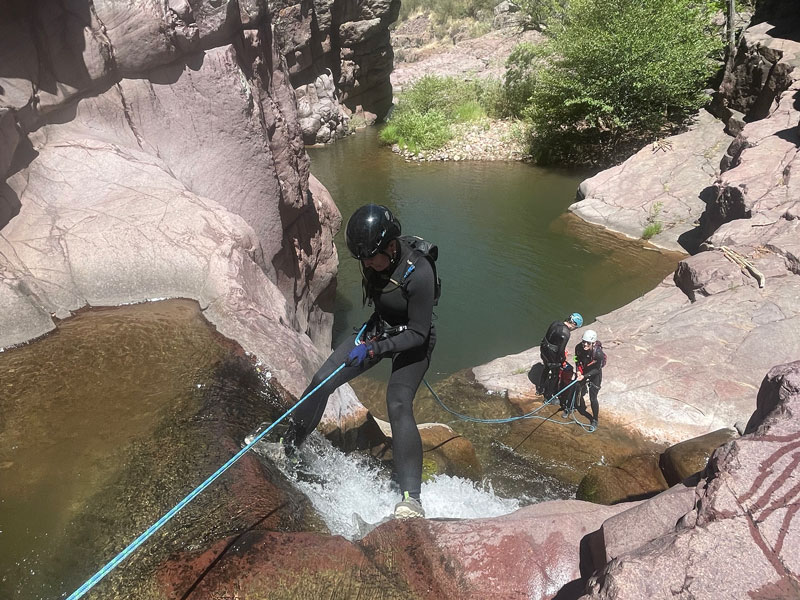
x=634, y=478
x=681, y=461
x=637, y=526
x=763, y=64
x=662, y=183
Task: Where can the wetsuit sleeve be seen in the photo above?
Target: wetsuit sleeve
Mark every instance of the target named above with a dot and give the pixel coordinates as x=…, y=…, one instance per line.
x=595, y=367
x=420, y=311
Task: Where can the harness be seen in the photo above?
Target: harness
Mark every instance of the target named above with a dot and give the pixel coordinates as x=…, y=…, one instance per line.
x=416, y=254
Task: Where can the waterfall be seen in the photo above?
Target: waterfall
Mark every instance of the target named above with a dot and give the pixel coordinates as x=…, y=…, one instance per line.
x=339, y=484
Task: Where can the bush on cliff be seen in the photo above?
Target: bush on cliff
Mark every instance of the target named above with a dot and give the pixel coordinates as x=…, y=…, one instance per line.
x=422, y=117
x=613, y=71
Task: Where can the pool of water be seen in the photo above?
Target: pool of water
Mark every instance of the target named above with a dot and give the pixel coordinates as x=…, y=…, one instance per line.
x=72, y=407
x=511, y=258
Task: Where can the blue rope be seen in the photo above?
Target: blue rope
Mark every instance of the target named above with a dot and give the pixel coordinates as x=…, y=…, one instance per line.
x=94, y=579
x=358, y=337
x=530, y=415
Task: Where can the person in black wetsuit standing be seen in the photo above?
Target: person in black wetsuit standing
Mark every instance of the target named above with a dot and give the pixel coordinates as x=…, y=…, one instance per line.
x=553, y=353
x=590, y=360
x=400, y=329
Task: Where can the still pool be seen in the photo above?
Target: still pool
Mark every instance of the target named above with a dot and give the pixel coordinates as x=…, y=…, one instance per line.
x=511, y=257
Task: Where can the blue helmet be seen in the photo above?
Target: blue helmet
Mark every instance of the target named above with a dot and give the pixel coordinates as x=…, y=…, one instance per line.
x=577, y=319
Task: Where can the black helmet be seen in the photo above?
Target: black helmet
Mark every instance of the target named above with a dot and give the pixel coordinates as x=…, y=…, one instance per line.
x=370, y=230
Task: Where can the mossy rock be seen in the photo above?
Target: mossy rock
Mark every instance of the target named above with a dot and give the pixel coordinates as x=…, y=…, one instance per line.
x=452, y=453
x=634, y=478
x=683, y=460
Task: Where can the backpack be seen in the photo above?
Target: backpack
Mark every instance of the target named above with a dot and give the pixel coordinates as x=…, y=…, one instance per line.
x=598, y=345
x=419, y=248
x=429, y=250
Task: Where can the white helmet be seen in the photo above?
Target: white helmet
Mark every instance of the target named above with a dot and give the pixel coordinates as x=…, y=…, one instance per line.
x=590, y=335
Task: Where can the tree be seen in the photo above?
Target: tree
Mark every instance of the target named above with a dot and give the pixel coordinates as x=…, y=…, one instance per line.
x=619, y=69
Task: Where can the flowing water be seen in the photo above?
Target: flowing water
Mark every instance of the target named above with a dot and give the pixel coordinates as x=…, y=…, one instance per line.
x=340, y=485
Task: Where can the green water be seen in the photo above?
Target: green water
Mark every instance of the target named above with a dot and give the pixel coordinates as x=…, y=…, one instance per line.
x=73, y=406
x=511, y=258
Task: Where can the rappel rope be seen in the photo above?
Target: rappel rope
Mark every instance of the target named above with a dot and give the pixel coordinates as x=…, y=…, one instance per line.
x=530, y=415
x=94, y=579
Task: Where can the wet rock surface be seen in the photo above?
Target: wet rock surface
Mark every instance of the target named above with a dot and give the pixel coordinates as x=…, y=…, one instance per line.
x=633, y=478
x=415, y=558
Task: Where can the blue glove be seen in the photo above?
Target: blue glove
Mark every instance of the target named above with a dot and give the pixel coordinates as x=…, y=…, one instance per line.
x=358, y=354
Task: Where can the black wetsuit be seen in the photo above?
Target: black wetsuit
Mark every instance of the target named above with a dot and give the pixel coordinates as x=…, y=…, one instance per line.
x=591, y=362
x=409, y=349
x=552, y=350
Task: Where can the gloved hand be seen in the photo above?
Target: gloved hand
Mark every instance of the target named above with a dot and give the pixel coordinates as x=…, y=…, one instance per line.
x=358, y=355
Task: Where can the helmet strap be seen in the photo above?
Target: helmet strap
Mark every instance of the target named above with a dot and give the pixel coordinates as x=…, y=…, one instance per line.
x=393, y=258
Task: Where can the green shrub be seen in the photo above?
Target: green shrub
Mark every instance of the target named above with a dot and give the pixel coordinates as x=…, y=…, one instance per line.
x=431, y=93
x=416, y=131
x=469, y=110
x=422, y=117
x=615, y=69
x=651, y=230
x=520, y=79
x=491, y=97
x=653, y=226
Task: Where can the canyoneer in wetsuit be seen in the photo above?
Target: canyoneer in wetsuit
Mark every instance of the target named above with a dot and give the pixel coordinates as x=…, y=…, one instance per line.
x=400, y=282
x=590, y=360
x=552, y=350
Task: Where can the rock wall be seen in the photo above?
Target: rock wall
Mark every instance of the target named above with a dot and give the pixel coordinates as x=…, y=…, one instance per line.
x=152, y=150
x=340, y=57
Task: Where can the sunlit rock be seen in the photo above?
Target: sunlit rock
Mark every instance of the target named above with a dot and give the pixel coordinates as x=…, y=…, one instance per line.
x=738, y=538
